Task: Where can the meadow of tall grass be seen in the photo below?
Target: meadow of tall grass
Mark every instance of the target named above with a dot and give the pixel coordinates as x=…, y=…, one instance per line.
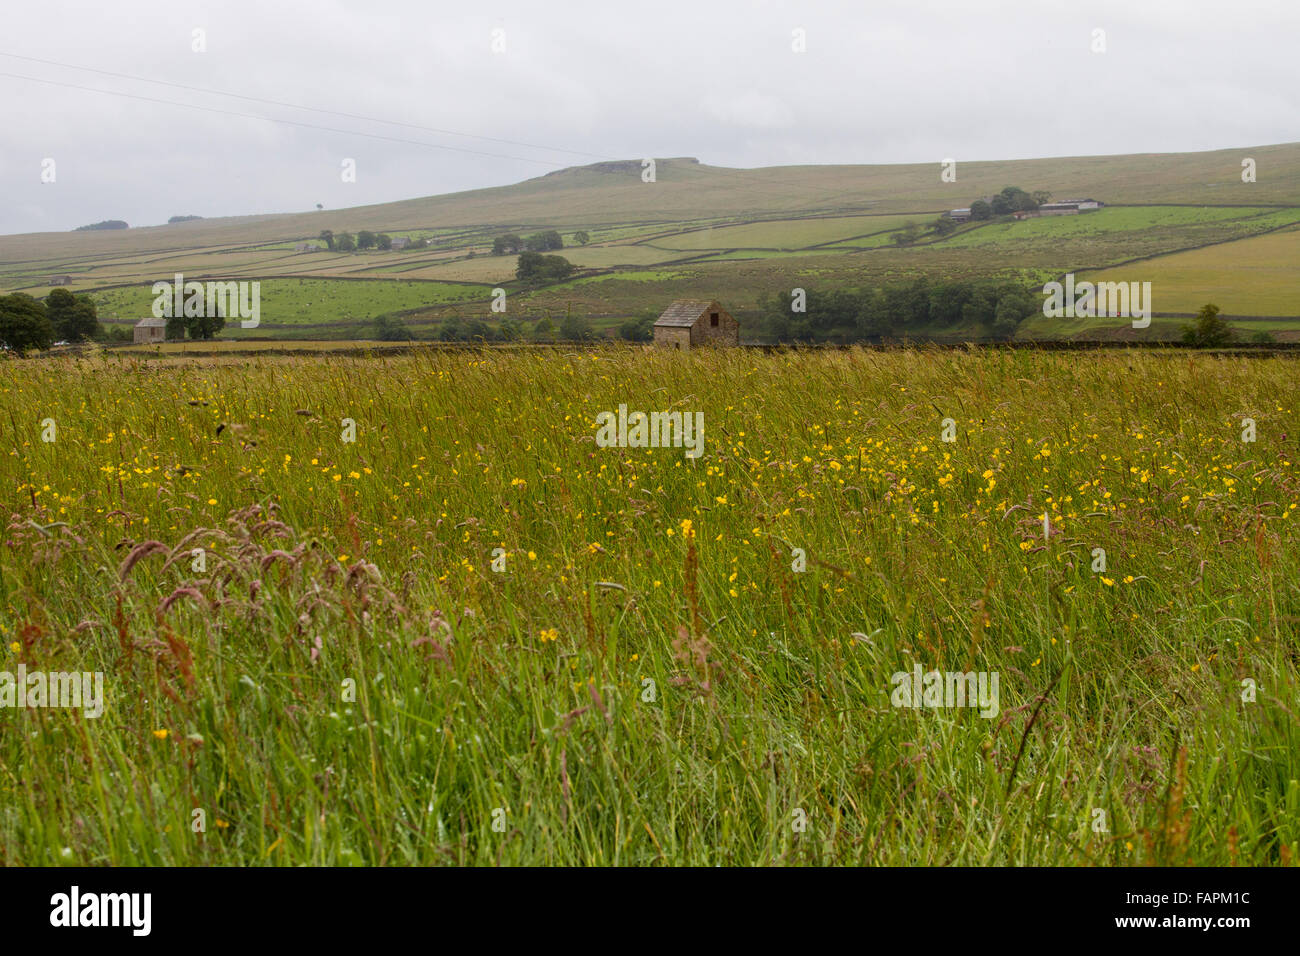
x=406, y=610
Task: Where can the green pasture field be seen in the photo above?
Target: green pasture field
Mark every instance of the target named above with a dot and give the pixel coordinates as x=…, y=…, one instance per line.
x=303, y=302
x=636, y=275
x=602, y=257
x=1115, y=235
x=762, y=254
x=1256, y=276
x=787, y=234
x=493, y=269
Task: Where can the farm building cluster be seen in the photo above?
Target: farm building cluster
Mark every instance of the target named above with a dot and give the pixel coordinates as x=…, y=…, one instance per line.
x=1065, y=207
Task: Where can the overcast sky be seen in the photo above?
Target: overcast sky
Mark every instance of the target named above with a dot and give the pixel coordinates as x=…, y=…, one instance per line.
x=880, y=81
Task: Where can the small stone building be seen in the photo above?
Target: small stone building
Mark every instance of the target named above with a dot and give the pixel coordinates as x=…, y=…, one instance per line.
x=60, y=280
x=150, y=331
x=692, y=323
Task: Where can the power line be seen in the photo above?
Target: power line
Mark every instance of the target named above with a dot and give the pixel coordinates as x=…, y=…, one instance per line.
x=272, y=119
x=764, y=187
x=299, y=106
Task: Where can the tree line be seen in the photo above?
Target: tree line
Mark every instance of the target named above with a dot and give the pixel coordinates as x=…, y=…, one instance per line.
x=512, y=244
x=365, y=239
x=891, y=311
x=28, y=324
x=572, y=327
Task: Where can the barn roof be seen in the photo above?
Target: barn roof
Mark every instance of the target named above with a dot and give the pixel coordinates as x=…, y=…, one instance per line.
x=683, y=313
x=151, y=323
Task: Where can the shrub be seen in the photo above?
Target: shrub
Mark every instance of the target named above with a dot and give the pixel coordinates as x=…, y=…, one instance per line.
x=1210, y=330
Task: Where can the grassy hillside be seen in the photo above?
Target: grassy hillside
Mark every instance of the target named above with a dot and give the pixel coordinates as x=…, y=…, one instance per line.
x=613, y=193
x=706, y=231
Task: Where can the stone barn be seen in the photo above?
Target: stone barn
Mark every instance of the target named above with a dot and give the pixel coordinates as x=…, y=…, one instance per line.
x=150, y=330
x=692, y=323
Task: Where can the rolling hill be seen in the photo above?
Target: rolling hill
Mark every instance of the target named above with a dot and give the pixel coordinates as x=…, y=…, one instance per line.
x=702, y=230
